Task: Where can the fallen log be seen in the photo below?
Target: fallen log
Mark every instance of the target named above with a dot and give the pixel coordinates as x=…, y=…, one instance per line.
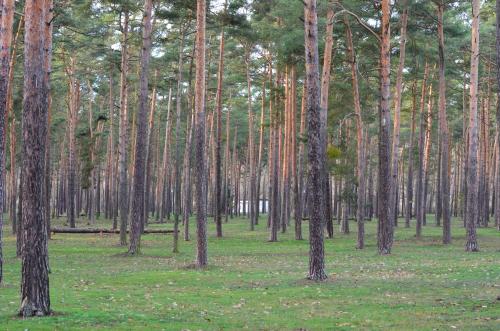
x=94, y=230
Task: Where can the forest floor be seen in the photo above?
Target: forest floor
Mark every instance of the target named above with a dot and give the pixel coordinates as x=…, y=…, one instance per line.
x=257, y=285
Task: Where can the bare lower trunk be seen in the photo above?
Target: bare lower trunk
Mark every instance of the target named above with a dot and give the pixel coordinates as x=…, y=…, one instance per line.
x=218, y=140
x=123, y=136
x=409, y=180
x=137, y=211
x=316, y=151
x=497, y=180
x=35, y=299
x=325, y=86
x=421, y=142
x=472, y=182
x=385, y=231
x=397, y=111
x=360, y=162
x=7, y=17
x=444, y=135
x=201, y=219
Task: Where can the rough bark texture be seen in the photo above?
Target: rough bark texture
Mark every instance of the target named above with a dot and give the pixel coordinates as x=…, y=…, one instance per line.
x=325, y=86
x=360, y=162
x=497, y=181
x=35, y=299
x=7, y=8
x=472, y=180
x=137, y=211
x=444, y=135
x=12, y=131
x=199, y=104
x=384, y=231
x=397, y=113
x=315, y=152
x=49, y=16
x=218, y=140
x=123, y=135
x=178, y=108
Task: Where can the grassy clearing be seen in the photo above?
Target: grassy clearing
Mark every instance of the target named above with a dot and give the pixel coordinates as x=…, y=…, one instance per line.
x=256, y=285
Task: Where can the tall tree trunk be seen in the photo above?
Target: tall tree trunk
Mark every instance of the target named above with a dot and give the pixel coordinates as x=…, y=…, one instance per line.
x=91, y=193
x=201, y=176
x=443, y=134
x=426, y=155
x=497, y=180
x=421, y=142
x=260, y=155
x=226, y=189
x=109, y=187
x=295, y=172
x=74, y=104
x=123, y=134
x=12, y=131
x=385, y=231
x=7, y=18
x=325, y=86
x=35, y=299
x=137, y=212
x=316, y=151
x=360, y=159
x=409, y=181
x=251, y=144
x=397, y=112
x=164, y=177
x=48, y=66
x=218, y=140
x=178, y=108
x=299, y=202
x=472, y=182
x=150, y=161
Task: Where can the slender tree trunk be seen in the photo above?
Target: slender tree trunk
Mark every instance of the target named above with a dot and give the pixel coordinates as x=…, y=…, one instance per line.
x=49, y=16
x=251, y=144
x=426, y=155
x=443, y=134
x=137, y=212
x=360, y=162
x=201, y=202
x=7, y=18
x=150, y=161
x=299, y=203
x=421, y=142
x=12, y=132
x=325, y=85
x=409, y=181
x=397, y=111
x=109, y=187
x=316, y=150
x=74, y=104
x=218, y=140
x=260, y=154
x=123, y=134
x=35, y=299
x=472, y=182
x=385, y=231
x=497, y=180
x=295, y=172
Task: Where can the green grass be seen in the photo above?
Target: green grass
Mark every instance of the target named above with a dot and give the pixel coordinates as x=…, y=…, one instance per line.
x=256, y=285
